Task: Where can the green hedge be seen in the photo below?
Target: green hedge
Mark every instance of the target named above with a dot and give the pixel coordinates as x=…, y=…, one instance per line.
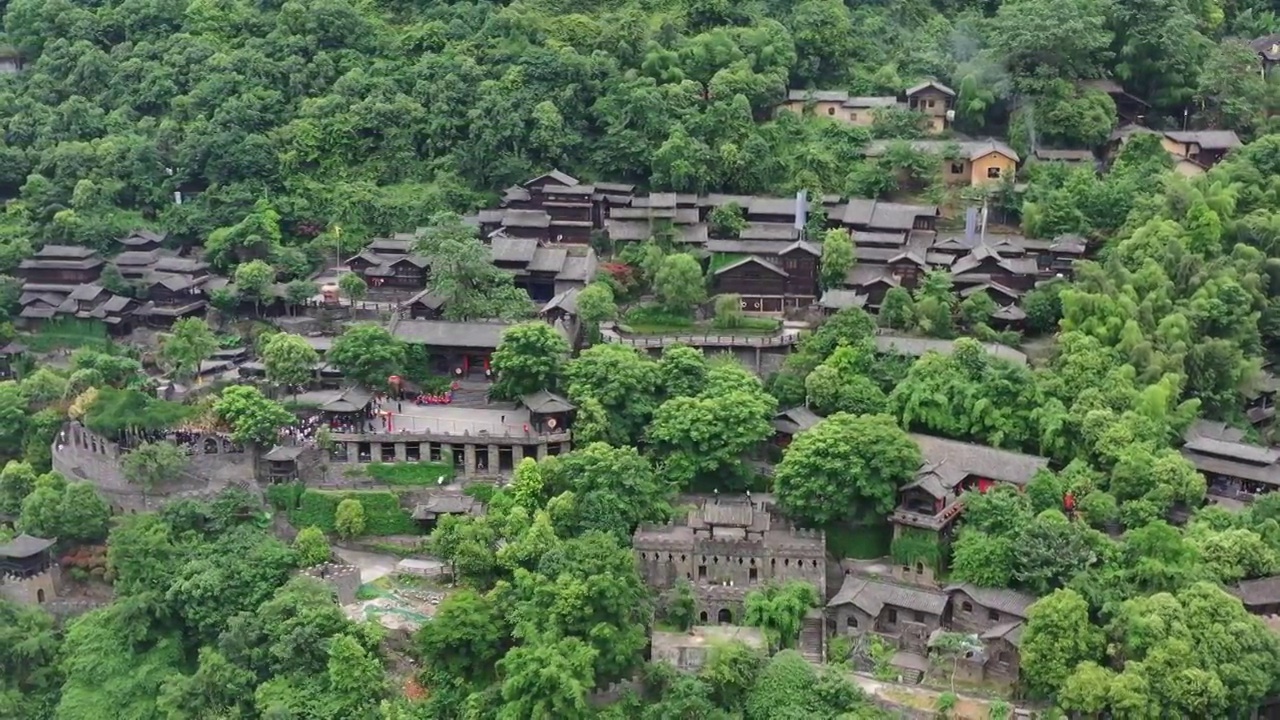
x=410, y=473
x=285, y=496
x=382, y=512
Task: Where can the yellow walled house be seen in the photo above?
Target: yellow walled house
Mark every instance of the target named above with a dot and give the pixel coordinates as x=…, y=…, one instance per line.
x=935, y=100
x=839, y=105
x=931, y=99
x=1193, y=151
x=971, y=162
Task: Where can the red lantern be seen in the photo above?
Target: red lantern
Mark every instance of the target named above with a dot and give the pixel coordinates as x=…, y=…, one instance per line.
x=1069, y=501
x=394, y=381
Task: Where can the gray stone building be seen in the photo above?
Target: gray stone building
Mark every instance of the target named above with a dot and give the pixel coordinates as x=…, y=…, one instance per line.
x=726, y=548
x=688, y=651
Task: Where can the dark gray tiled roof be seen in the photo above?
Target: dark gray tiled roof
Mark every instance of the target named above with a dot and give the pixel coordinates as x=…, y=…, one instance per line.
x=1006, y=601
x=24, y=546
x=871, y=596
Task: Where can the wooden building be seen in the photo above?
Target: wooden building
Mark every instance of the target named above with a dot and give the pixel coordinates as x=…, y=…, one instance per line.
x=1236, y=471
x=62, y=265
x=454, y=349
x=935, y=101
x=949, y=468
x=963, y=162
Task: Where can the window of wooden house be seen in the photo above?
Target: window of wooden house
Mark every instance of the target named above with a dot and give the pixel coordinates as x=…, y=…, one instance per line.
x=993, y=616
x=850, y=622
x=993, y=172
x=957, y=168
x=919, y=617
x=966, y=606
x=1002, y=656
x=831, y=111
x=853, y=117
x=893, y=615
x=931, y=103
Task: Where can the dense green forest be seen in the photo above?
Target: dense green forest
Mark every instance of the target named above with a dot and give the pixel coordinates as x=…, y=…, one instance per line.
x=287, y=128
x=370, y=116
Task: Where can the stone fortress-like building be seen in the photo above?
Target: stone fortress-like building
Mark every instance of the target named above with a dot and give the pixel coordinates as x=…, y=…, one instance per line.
x=28, y=573
x=726, y=548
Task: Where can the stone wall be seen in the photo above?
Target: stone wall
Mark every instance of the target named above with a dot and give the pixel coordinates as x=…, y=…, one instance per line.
x=34, y=590
x=79, y=454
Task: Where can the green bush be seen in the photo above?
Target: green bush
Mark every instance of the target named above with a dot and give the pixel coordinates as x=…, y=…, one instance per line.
x=409, y=473
x=382, y=512
x=653, y=318
x=285, y=496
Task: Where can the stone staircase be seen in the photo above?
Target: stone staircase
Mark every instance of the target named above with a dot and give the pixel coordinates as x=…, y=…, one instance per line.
x=811, y=638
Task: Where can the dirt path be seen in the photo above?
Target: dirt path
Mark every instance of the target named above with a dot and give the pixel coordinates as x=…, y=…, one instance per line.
x=922, y=698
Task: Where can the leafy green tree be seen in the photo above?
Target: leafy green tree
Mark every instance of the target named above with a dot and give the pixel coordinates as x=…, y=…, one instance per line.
x=731, y=670
x=679, y=606
x=1074, y=42
x=462, y=273
x=623, y=381
x=845, y=465
x=897, y=310
x=254, y=281
x=356, y=679
x=983, y=559
x=727, y=220
x=83, y=514
x=17, y=480
x=547, y=679
x=289, y=360
x=1058, y=637
x=683, y=370
x=529, y=358
x=252, y=417
x=614, y=489
x=977, y=309
x=41, y=510
x=679, y=284
x=605, y=603
x=217, y=684
x=352, y=287
x=190, y=343
x=837, y=258
x=298, y=292
x=311, y=546
x=469, y=639
x=704, y=438
x=42, y=387
x=152, y=464
x=29, y=652
x=596, y=304
x=349, y=518
x=367, y=353
x=728, y=311
x=779, y=611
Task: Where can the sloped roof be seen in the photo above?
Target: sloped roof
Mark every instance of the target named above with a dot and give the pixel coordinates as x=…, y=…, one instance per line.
x=440, y=333
x=426, y=299
x=794, y=420
x=871, y=596
x=544, y=401
x=953, y=460
x=24, y=546
x=929, y=84
x=1206, y=139
x=1006, y=601
x=567, y=301
x=64, y=251
x=142, y=237
x=554, y=174
x=1010, y=632
x=1070, y=244
x=968, y=149
x=768, y=231
x=752, y=260
x=841, y=299
x=512, y=249
x=282, y=453
x=1260, y=591
x=817, y=95
x=86, y=292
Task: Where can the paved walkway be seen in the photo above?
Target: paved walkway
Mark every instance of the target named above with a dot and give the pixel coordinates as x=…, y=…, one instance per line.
x=372, y=565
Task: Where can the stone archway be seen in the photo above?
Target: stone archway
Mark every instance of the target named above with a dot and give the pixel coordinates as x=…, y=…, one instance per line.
x=725, y=616
x=702, y=616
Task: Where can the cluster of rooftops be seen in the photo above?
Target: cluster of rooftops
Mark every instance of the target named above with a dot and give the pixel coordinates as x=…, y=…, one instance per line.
x=65, y=281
